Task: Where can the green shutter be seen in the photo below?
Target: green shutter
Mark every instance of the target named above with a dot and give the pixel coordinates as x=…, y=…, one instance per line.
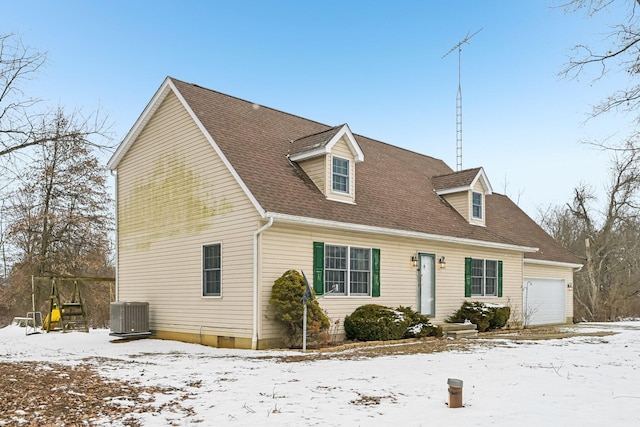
x=375, y=275
x=499, y=278
x=318, y=267
x=467, y=277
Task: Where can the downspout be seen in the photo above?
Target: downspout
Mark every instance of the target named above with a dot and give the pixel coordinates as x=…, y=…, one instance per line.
x=114, y=174
x=254, y=339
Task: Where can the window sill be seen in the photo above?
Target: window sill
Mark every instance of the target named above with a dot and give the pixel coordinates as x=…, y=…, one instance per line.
x=350, y=202
x=477, y=223
x=346, y=296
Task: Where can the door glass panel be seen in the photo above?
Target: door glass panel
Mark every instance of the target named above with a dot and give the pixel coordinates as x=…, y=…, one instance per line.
x=427, y=285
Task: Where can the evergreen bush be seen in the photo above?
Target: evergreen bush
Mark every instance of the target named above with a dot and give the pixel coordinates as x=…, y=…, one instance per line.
x=286, y=302
x=501, y=314
x=484, y=315
x=374, y=322
x=419, y=324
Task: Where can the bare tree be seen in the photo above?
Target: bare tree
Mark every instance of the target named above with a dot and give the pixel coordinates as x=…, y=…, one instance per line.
x=4, y=268
x=621, y=53
x=59, y=220
x=60, y=215
x=56, y=216
x=608, y=286
x=607, y=233
x=20, y=121
x=18, y=64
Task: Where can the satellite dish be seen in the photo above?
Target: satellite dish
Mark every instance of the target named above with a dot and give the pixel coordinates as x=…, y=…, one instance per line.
x=308, y=293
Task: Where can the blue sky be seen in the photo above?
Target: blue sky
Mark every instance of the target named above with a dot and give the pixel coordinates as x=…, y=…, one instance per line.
x=376, y=65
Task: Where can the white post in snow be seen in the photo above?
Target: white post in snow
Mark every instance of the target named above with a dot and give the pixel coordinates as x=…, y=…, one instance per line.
x=304, y=325
x=308, y=295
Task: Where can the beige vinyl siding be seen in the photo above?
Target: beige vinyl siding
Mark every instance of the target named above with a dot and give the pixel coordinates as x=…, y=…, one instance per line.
x=341, y=149
x=540, y=271
x=287, y=247
x=450, y=285
x=460, y=202
x=174, y=196
x=316, y=170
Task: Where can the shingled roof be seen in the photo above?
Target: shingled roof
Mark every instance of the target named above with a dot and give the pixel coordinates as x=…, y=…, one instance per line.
x=452, y=180
x=515, y=224
x=314, y=141
x=394, y=187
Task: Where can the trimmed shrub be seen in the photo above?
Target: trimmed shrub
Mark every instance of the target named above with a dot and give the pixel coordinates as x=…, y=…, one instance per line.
x=501, y=314
x=374, y=322
x=286, y=302
x=419, y=325
x=485, y=316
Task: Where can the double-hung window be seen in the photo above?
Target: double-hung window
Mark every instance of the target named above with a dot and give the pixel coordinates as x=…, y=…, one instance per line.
x=340, y=175
x=211, y=271
x=335, y=269
x=346, y=270
x=476, y=205
x=359, y=271
x=483, y=278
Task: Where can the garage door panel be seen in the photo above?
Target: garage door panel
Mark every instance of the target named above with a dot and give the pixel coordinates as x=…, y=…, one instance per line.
x=544, y=301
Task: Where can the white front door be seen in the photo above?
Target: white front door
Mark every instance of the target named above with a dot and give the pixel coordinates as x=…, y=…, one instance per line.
x=427, y=285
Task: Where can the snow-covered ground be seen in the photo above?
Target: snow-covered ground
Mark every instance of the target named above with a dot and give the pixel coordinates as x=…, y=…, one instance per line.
x=579, y=381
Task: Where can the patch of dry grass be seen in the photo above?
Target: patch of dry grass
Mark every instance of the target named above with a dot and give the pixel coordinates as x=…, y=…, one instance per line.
x=363, y=350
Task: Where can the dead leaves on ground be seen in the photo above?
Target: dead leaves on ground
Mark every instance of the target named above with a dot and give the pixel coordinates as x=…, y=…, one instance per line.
x=49, y=394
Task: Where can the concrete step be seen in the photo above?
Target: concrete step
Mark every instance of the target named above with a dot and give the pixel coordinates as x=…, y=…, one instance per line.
x=459, y=330
x=465, y=333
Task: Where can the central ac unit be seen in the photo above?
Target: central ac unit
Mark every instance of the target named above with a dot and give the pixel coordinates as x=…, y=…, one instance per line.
x=129, y=318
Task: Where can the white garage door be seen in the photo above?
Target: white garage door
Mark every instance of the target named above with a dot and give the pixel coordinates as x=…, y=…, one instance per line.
x=544, y=301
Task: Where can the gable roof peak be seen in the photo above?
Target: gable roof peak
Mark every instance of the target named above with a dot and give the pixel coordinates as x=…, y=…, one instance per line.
x=321, y=143
x=314, y=140
x=463, y=180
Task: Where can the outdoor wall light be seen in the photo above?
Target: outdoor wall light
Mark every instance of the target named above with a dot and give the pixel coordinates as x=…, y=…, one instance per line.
x=569, y=285
x=414, y=260
x=441, y=262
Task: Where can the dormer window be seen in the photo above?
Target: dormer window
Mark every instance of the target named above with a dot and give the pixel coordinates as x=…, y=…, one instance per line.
x=477, y=205
x=340, y=173
x=329, y=158
x=465, y=191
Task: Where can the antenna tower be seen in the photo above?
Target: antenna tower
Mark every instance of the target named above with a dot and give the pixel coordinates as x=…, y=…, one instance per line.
x=459, y=99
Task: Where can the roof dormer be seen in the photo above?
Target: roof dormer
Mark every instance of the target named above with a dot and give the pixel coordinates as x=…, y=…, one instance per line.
x=329, y=159
x=465, y=191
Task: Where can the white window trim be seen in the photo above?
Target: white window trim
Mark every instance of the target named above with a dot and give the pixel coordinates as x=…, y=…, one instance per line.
x=481, y=217
x=202, y=295
x=348, y=176
x=484, y=278
x=347, y=284
x=333, y=199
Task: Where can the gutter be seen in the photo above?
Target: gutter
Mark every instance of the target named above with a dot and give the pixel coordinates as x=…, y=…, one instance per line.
x=292, y=219
x=114, y=174
x=553, y=263
x=254, y=338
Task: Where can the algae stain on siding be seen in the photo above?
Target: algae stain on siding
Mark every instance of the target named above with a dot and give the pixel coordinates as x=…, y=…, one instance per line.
x=171, y=201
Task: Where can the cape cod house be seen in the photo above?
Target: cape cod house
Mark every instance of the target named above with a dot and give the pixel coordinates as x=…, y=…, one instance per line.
x=217, y=197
